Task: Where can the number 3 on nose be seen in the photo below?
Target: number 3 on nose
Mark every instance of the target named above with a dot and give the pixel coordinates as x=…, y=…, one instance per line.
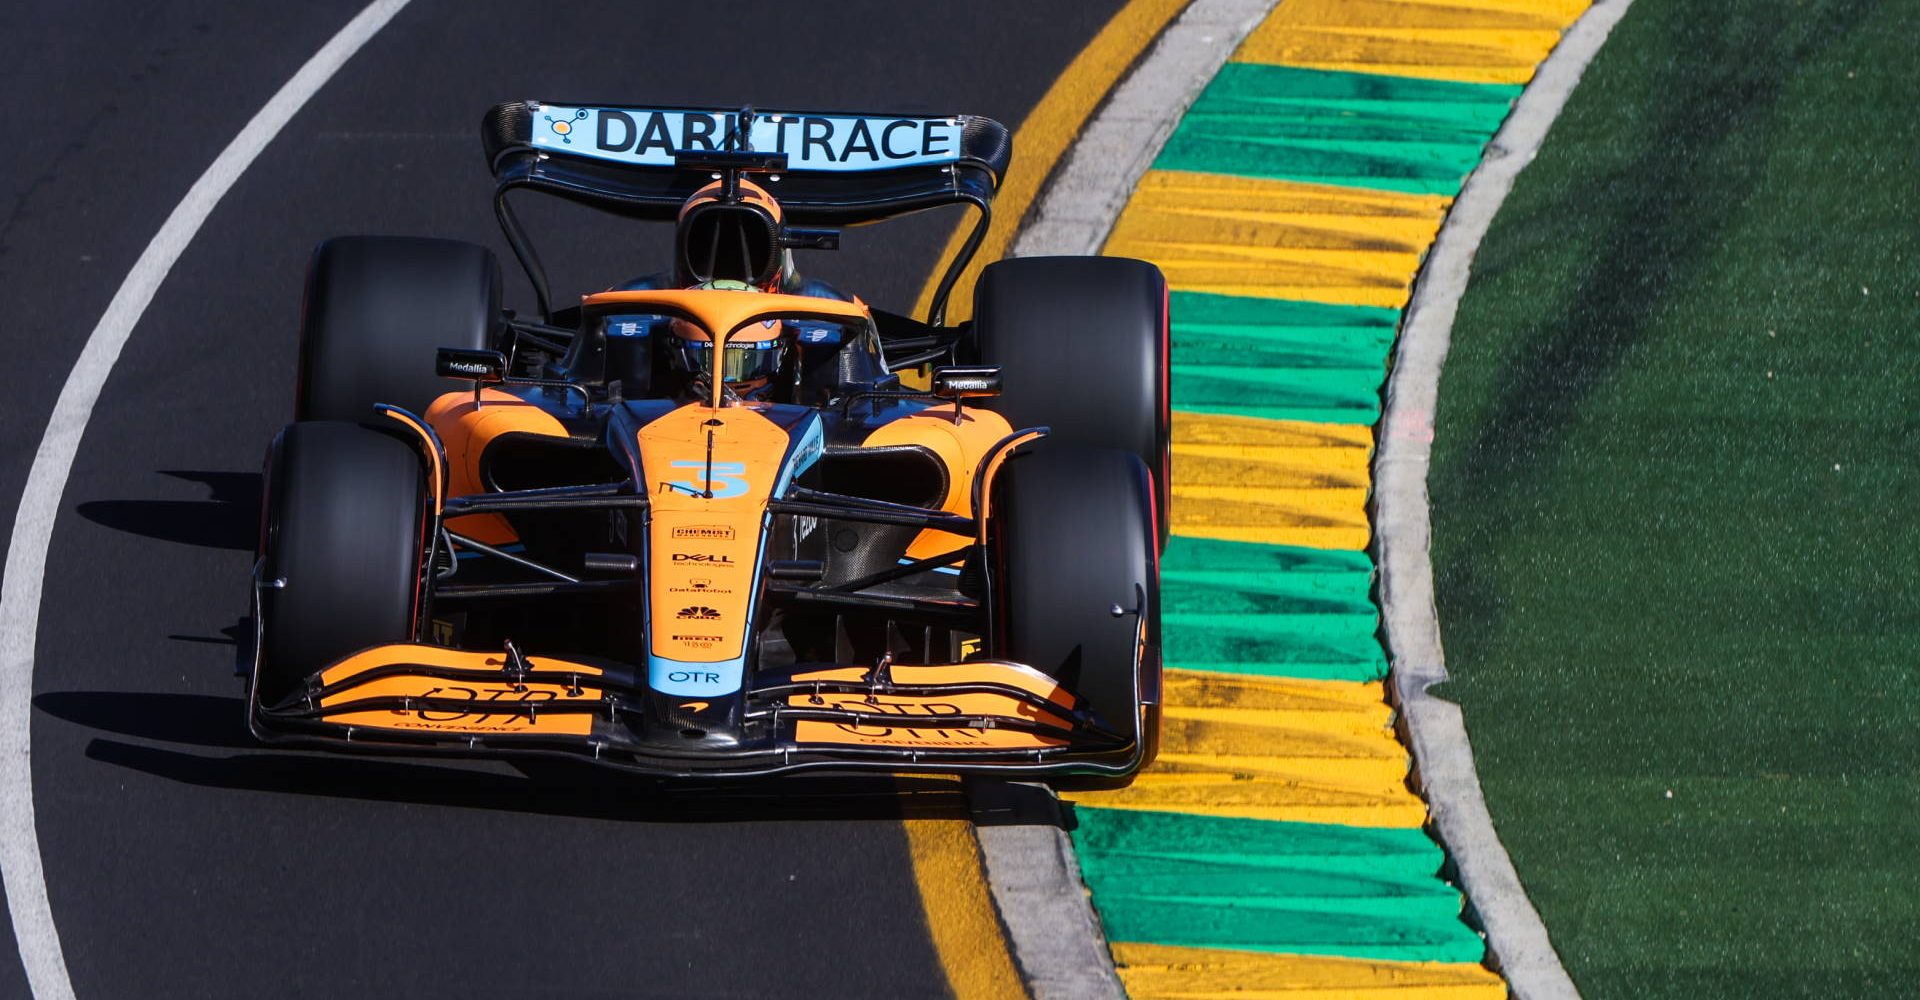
x=728, y=479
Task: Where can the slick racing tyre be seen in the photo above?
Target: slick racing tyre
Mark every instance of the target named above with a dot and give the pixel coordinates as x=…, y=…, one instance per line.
x=377, y=308
x=1073, y=538
x=341, y=547
x=1082, y=347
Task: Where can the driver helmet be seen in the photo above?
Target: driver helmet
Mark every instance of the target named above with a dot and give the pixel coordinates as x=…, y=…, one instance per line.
x=717, y=239
x=754, y=354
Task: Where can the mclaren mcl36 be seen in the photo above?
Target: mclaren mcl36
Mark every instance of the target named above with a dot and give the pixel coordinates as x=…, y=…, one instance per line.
x=700, y=525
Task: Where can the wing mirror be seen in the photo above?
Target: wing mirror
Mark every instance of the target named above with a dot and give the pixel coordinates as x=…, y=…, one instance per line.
x=964, y=382
x=809, y=239
x=958, y=382
x=481, y=367
x=485, y=368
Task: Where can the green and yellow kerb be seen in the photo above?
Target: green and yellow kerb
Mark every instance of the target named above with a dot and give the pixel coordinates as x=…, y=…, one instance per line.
x=1276, y=847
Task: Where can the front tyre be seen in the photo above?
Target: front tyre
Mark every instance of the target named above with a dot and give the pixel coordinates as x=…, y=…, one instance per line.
x=1073, y=538
x=1082, y=347
x=342, y=543
x=377, y=309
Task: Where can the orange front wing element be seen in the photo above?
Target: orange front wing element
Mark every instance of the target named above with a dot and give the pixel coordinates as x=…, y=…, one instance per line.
x=978, y=715
x=899, y=717
x=466, y=693
x=811, y=731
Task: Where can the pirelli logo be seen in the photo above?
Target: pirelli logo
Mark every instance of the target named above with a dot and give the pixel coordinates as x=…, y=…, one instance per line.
x=705, y=532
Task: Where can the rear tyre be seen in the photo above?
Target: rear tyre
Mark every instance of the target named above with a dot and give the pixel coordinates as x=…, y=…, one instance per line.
x=1082, y=345
x=1074, y=537
x=345, y=519
x=377, y=309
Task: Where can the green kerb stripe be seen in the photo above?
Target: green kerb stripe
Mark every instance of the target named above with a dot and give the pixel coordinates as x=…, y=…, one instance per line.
x=1326, y=127
x=1279, y=359
x=1299, y=888
x=1272, y=610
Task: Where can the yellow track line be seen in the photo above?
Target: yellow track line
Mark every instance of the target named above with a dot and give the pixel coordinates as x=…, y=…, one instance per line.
x=961, y=920
x=960, y=916
x=1044, y=137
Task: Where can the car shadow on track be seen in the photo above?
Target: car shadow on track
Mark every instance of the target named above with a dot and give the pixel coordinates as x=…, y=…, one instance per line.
x=228, y=519
x=557, y=787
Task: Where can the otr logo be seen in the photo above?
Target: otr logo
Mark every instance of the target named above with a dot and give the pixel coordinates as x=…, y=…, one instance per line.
x=728, y=479
x=693, y=677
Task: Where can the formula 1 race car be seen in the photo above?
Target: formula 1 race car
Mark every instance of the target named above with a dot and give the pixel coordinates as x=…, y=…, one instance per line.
x=698, y=525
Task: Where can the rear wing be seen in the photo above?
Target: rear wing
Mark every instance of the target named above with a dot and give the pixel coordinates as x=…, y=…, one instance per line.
x=841, y=169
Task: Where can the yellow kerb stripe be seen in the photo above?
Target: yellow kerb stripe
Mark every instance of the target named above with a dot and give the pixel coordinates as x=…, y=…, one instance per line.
x=1276, y=239
x=1473, y=41
x=1282, y=482
x=1274, y=748
x=1044, y=136
x=1166, y=972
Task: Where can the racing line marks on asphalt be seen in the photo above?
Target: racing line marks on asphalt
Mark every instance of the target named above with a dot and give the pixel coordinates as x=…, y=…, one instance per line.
x=34, y=929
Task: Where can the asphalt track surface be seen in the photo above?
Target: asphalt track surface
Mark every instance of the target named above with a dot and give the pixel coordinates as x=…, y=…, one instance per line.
x=182, y=859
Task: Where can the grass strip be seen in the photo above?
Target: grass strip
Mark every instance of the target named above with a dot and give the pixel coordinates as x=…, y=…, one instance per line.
x=1675, y=539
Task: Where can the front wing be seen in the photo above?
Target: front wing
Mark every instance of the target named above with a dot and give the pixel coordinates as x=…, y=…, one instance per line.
x=982, y=716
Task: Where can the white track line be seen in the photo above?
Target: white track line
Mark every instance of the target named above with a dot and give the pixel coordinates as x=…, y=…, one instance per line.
x=33, y=926
x=1516, y=937
x=1035, y=877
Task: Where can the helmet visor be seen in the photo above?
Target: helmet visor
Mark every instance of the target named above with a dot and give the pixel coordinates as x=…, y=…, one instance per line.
x=749, y=361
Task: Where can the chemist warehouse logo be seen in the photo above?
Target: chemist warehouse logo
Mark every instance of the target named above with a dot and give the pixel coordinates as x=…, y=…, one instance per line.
x=810, y=142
